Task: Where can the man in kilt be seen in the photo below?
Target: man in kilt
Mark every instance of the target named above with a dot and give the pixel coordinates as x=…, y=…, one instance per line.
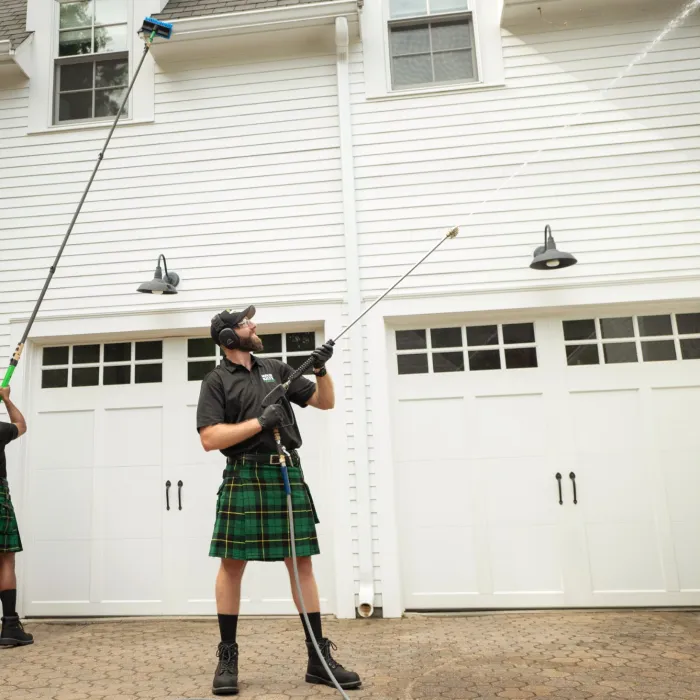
x=12, y=633
x=251, y=512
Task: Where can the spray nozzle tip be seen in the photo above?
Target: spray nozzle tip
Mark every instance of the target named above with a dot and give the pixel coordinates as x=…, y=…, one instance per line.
x=453, y=232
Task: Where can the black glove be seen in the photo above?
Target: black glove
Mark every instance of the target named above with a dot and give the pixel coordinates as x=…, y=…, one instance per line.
x=321, y=355
x=272, y=417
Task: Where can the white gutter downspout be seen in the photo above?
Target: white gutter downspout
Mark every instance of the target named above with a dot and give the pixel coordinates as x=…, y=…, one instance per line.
x=365, y=602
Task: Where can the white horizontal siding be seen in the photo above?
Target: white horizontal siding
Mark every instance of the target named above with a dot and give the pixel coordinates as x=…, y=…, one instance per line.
x=619, y=187
x=237, y=179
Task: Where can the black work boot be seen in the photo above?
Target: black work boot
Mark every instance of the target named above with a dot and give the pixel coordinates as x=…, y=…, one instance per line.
x=315, y=673
x=13, y=634
x=226, y=676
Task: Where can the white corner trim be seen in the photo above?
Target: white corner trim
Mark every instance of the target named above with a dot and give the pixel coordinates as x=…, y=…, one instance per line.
x=365, y=601
x=5, y=51
x=17, y=56
x=269, y=18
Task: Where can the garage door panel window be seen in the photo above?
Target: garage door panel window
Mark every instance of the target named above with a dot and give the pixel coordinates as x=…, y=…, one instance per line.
x=488, y=347
x=104, y=364
x=293, y=348
x=650, y=338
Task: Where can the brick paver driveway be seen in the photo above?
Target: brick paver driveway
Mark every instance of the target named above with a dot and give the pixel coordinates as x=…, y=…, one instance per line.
x=638, y=655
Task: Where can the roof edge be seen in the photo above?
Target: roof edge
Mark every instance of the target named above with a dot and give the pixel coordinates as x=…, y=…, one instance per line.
x=261, y=20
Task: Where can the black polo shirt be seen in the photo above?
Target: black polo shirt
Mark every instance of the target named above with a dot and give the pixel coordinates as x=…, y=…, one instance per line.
x=232, y=394
x=8, y=432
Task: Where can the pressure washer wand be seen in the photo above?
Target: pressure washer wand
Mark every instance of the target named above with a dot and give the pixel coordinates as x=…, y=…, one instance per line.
x=156, y=28
x=452, y=233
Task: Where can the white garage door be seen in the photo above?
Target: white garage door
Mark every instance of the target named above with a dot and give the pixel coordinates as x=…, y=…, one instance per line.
x=491, y=421
x=121, y=497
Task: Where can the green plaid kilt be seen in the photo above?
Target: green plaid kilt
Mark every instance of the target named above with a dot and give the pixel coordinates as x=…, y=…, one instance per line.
x=9, y=532
x=251, y=514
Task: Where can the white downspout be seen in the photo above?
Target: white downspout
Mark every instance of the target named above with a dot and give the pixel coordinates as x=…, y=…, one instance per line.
x=365, y=602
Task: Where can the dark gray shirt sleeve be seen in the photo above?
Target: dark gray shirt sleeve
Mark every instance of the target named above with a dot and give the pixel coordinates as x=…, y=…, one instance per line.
x=300, y=390
x=8, y=433
x=211, y=407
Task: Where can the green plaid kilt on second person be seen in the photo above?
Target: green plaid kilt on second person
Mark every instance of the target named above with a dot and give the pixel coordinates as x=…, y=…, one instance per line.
x=251, y=512
x=9, y=531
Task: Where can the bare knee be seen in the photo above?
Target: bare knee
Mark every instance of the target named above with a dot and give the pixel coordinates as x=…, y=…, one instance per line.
x=304, y=565
x=233, y=568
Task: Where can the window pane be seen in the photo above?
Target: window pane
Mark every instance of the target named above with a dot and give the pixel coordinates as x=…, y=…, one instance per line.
x=148, y=374
x=297, y=342
x=410, y=41
x=579, y=330
x=448, y=36
x=201, y=347
x=197, y=370
x=117, y=352
x=482, y=335
x=582, y=355
x=75, y=14
x=77, y=76
x=82, y=354
x=688, y=323
x=690, y=348
x=110, y=11
x=616, y=328
x=484, y=359
x=453, y=65
x=55, y=356
x=75, y=42
x=149, y=350
x=412, y=364
x=659, y=351
x=411, y=340
x=518, y=333
x=76, y=105
x=408, y=8
x=446, y=337
x=111, y=73
x=298, y=361
x=616, y=353
x=86, y=376
x=412, y=70
x=119, y=374
x=438, y=6
x=54, y=378
x=110, y=39
x=517, y=358
x=448, y=361
x=108, y=102
x=272, y=342
x=655, y=325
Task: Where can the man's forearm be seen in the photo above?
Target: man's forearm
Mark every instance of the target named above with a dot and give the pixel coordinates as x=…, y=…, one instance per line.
x=325, y=391
x=16, y=416
x=219, y=437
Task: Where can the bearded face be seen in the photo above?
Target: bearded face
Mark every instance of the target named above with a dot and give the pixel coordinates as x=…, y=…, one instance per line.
x=250, y=343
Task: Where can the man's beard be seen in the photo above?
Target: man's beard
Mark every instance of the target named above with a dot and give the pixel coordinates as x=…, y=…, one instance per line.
x=251, y=344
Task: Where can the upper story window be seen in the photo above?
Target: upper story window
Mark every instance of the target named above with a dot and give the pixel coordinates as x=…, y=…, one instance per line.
x=92, y=62
x=431, y=42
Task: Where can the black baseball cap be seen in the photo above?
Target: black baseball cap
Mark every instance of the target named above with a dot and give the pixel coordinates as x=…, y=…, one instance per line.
x=228, y=319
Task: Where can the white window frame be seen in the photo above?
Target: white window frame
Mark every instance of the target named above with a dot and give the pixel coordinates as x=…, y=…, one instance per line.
x=487, y=51
x=92, y=59
x=44, y=22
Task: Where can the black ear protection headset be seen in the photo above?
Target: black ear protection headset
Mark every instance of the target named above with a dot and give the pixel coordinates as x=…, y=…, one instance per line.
x=226, y=335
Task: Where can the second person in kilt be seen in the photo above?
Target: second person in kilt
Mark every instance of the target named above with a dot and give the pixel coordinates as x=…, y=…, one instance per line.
x=251, y=513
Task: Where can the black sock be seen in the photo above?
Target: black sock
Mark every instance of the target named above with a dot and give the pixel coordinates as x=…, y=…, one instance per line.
x=9, y=601
x=227, y=626
x=316, y=627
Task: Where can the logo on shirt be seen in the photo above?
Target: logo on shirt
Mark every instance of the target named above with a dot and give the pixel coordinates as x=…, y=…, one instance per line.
x=268, y=378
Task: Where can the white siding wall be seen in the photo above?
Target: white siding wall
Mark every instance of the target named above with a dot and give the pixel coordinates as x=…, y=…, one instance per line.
x=237, y=183
x=619, y=191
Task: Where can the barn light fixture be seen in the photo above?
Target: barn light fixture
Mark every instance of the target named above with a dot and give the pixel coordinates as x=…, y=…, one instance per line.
x=547, y=257
x=160, y=284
